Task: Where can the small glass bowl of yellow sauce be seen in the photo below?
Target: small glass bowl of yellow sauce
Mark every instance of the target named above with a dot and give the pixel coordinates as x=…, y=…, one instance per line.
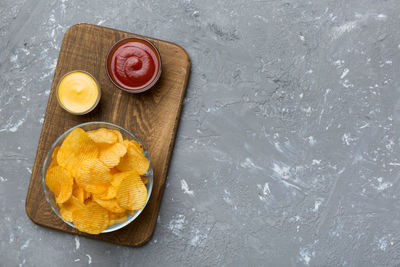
x=78, y=92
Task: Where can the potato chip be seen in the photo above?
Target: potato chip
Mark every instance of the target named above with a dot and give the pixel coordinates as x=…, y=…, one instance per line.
x=86, y=195
x=78, y=192
x=114, y=216
x=145, y=180
x=110, y=193
x=136, y=145
x=114, y=170
x=112, y=154
x=76, y=147
x=52, y=180
x=110, y=204
x=93, y=173
x=119, y=177
x=103, y=136
x=92, y=219
x=95, y=189
x=68, y=207
x=60, y=182
x=119, y=135
x=54, y=157
x=134, y=160
x=118, y=220
x=132, y=193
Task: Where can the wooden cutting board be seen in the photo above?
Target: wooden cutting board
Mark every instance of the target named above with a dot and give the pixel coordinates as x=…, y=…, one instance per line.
x=152, y=116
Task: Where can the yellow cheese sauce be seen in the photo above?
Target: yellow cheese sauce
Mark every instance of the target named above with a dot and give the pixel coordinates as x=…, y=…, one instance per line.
x=78, y=92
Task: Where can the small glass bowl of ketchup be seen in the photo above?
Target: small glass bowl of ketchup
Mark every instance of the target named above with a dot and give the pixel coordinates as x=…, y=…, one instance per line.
x=133, y=65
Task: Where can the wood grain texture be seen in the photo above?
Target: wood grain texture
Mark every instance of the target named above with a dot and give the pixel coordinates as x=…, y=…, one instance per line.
x=152, y=116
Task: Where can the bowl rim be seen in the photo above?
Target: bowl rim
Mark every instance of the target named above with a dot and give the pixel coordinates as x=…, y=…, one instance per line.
x=111, y=52
x=148, y=174
x=95, y=103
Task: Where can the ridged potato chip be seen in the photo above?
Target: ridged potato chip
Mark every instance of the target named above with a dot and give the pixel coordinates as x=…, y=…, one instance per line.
x=52, y=180
x=68, y=207
x=93, y=173
x=132, y=193
x=103, y=136
x=76, y=147
x=86, y=195
x=145, y=180
x=119, y=177
x=54, y=157
x=110, y=193
x=79, y=193
x=110, y=204
x=134, y=159
x=92, y=219
x=60, y=182
x=119, y=135
x=136, y=145
x=113, y=215
x=117, y=220
x=114, y=170
x=95, y=189
x=112, y=154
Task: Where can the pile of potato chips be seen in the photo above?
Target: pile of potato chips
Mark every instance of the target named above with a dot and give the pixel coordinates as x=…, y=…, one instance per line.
x=96, y=178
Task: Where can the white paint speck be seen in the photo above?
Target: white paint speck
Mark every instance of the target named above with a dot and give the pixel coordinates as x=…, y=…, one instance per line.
x=12, y=126
x=77, y=243
x=344, y=28
x=76, y=260
x=11, y=238
x=305, y=256
x=101, y=22
x=381, y=17
x=52, y=18
x=265, y=192
x=316, y=162
x=345, y=72
x=301, y=37
x=2, y=179
x=383, y=185
x=311, y=140
x=185, y=188
x=317, y=204
x=25, y=245
x=89, y=259
x=347, y=139
x=382, y=243
x=228, y=198
x=281, y=171
x=198, y=237
x=262, y=18
x=176, y=225
x=14, y=58
x=249, y=164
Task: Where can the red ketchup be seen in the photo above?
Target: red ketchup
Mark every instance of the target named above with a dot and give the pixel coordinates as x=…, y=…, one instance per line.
x=134, y=65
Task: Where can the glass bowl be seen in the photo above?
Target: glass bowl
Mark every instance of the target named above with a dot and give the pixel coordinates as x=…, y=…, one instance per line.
x=88, y=126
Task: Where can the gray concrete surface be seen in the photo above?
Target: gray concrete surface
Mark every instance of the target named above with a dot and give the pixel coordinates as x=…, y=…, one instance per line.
x=288, y=148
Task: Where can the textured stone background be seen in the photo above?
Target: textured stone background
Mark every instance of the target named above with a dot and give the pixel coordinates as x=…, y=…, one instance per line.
x=288, y=147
